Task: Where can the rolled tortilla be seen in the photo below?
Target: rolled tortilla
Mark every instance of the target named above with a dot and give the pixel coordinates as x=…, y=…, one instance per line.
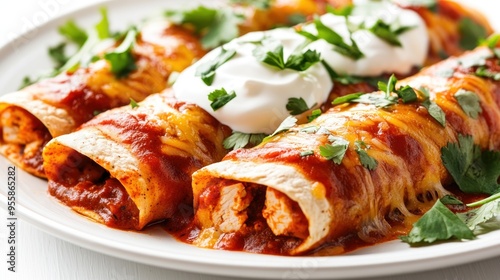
x=289, y=198
x=57, y=106
x=128, y=167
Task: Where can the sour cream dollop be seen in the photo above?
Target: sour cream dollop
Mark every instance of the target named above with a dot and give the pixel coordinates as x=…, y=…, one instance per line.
x=379, y=56
x=262, y=91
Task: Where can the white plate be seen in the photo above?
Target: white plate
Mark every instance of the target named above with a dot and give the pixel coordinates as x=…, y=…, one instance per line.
x=154, y=246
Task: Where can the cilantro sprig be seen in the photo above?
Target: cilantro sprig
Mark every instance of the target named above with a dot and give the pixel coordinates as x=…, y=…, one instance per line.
x=297, y=106
x=240, y=140
x=324, y=32
x=207, y=70
x=271, y=53
x=474, y=171
x=121, y=59
x=389, y=32
x=471, y=33
x=335, y=150
x=469, y=102
x=366, y=160
x=220, y=97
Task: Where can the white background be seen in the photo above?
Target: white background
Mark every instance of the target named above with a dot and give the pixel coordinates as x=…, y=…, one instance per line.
x=42, y=256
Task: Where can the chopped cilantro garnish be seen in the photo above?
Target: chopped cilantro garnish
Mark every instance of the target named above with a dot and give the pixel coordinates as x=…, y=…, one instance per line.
x=73, y=33
x=121, y=59
x=295, y=19
x=102, y=27
x=336, y=150
x=471, y=33
x=492, y=41
x=366, y=160
x=240, y=140
x=220, y=97
x=473, y=170
x=439, y=223
x=270, y=52
x=470, y=103
x=207, y=70
x=288, y=123
x=324, y=32
x=407, y=94
x=389, y=32
x=450, y=200
x=310, y=129
x=133, y=103
x=314, y=115
x=352, y=97
x=296, y=106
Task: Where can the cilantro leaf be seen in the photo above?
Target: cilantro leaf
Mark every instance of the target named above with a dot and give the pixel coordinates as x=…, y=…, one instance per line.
x=207, y=70
x=306, y=153
x=388, y=33
x=366, y=160
x=470, y=103
x=487, y=73
x=407, y=94
x=343, y=79
x=199, y=18
x=121, y=59
x=73, y=33
x=473, y=170
x=435, y=111
x=450, y=200
x=314, y=115
x=336, y=150
x=389, y=87
x=302, y=61
x=471, y=33
x=324, y=32
x=271, y=52
x=288, y=123
x=352, y=97
x=492, y=41
x=220, y=97
x=57, y=54
x=439, y=223
x=240, y=140
x=296, y=106
x=102, y=27
x=478, y=216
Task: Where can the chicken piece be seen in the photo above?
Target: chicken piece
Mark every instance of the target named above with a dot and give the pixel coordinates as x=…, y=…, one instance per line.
x=284, y=216
x=229, y=214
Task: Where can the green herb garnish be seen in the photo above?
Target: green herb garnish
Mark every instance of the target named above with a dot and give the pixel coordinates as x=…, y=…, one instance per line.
x=270, y=52
x=470, y=103
x=121, y=59
x=366, y=160
x=471, y=33
x=336, y=150
x=297, y=106
x=133, y=103
x=73, y=33
x=220, y=97
x=314, y=115
x=240, y=140
x=389, y=32
x=207, y=70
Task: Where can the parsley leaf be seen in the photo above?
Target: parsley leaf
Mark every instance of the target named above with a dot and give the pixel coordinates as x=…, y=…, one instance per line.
x=324, y=32
x=121, y=59
x=220, y=97
x=302, y=61
x=473, y=170
x=366, y=160
x=240, y=140
x=336, y=150
x=207, y=70
x=73, y=33
x=471, y=33
x=470, y=103
x=296, y=106
x=439, y=223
